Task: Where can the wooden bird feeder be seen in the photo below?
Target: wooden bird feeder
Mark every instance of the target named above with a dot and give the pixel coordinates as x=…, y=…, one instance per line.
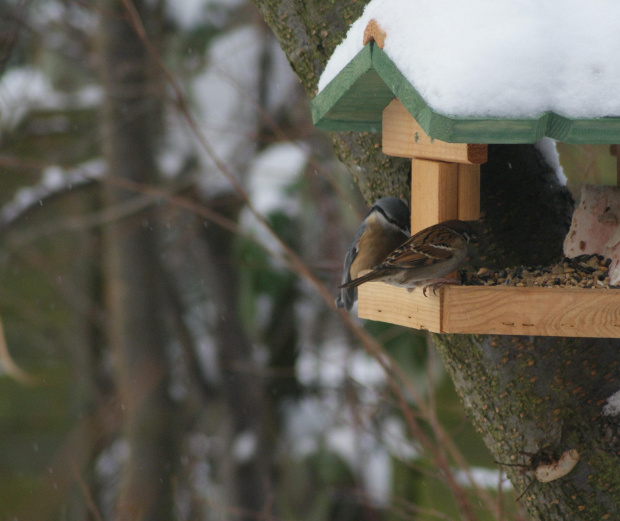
x=371, y=94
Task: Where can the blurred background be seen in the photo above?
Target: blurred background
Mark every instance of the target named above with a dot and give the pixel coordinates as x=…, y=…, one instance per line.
x=232, y=389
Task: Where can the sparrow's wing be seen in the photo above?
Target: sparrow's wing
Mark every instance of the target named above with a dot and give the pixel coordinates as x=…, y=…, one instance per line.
x=427, y=247
x=375, y=274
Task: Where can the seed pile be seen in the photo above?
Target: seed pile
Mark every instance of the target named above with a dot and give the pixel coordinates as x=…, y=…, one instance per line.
x=584, y=271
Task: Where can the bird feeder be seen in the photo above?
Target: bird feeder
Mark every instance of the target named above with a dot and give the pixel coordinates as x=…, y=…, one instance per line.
x=372, y=94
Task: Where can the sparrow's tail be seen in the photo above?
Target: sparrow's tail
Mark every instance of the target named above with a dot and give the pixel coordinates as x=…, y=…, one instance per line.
x=372, y=275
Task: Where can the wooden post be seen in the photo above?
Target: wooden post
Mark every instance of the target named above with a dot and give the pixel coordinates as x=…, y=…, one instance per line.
x=434, y=193
x=468, y=192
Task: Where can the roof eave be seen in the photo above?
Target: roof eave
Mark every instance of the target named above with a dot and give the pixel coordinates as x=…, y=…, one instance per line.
x=354, y=101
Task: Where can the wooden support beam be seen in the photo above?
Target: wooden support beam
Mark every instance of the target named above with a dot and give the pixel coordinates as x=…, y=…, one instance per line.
x=404, y=137
x=468, y=192
x=500, y=310
x=434, y=193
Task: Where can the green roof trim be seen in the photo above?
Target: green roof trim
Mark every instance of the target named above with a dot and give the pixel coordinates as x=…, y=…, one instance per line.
x=354, y=101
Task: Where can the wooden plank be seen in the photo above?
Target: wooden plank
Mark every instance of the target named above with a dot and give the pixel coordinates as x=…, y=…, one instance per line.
x=434, y=194
x=468, y=178
x=385, y=303
x=355, y=99
x=501, y=310
x=374, y=33
x=532, y=311
x=404, y=137
x=599, y=131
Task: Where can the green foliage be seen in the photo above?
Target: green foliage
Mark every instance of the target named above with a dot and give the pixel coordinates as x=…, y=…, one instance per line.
x=259, y=275
x=35, y=420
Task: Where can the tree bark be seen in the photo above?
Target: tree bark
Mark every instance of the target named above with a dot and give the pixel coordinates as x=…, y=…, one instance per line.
x=525, y=394
x=136, y=325
x=537, y=397
x=247, y=474
x=308, y=32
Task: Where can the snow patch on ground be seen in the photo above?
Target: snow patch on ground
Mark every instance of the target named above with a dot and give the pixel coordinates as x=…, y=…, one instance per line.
x=225, y=100
x=53, y=180
x=244, y=446
x=190, y=14
x=24, y=89
x=612, y=407
x=271, y=174
x=483, y=477
x=270, y=180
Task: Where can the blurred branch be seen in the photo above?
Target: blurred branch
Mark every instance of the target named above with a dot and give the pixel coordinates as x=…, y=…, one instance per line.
x=113, y=213
x=9, y=367
x=397, y=381
x=11, y=21
x=54, y=485
x=185, y=336
x=88, y=496
x=137, y=333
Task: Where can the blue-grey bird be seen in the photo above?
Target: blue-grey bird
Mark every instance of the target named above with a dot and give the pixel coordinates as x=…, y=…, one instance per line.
x=425, y=258
x=385, y=228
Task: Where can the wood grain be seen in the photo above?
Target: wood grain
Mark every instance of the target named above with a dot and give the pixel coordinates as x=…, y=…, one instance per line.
x=355, y=99
x=503, y=310
x=434, y=193
x=404, y=137
x=384, y=303
x=468, y=178
x=374, y=33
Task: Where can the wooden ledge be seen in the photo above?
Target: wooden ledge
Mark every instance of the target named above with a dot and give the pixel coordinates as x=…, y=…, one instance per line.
x=499, y=310
x=404, y=137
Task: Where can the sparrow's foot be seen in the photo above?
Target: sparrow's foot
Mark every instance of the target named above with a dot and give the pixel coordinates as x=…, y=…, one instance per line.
x=435, y=284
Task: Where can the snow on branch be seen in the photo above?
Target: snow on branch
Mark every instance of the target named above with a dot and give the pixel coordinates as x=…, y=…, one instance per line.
x=54, y=181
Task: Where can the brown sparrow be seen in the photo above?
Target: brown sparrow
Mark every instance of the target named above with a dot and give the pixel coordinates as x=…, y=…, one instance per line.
x=425, y=258
x=385, y=227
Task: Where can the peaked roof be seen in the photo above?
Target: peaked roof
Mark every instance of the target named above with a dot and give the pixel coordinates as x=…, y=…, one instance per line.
x=355, y=98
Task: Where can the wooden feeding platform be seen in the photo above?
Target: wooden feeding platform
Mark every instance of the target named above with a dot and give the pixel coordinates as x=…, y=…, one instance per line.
x=497, y=310
x=371, y=94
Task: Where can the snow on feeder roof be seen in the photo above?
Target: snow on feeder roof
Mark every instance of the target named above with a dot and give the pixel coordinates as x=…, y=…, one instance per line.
x=441, y=79
x=480, y=71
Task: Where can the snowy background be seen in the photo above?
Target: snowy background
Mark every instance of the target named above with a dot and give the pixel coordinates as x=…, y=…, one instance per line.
x=340, y=445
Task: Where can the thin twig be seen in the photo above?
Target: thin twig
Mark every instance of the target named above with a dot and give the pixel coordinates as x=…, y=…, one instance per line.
x=88, y=497
x=9, y=366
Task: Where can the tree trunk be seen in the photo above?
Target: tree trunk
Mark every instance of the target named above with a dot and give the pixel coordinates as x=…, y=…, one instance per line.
x=248, y=471
x=525, y=394
x=534, y=398
x=308, y=32
x=136, y=325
